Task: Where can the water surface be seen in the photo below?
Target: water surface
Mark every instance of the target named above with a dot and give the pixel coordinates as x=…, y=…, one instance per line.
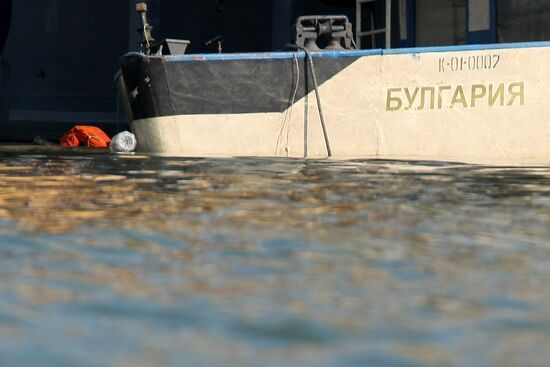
x=112, y=260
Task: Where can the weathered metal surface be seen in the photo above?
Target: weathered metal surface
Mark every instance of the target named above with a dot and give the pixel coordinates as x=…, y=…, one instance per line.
x=465, y=104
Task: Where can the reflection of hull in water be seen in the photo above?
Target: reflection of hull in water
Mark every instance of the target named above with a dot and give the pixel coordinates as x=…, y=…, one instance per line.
x=468, y=103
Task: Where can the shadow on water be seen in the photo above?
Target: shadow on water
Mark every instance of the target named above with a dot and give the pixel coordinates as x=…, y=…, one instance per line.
x=116, y=260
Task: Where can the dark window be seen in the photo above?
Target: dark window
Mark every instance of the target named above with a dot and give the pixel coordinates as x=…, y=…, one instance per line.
x=523, y=20
x=440, y=22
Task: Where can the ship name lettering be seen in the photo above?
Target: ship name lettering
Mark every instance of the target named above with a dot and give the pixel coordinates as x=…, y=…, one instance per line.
x=451, y=97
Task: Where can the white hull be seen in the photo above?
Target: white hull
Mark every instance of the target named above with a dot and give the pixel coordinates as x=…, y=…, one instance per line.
x=478, y=106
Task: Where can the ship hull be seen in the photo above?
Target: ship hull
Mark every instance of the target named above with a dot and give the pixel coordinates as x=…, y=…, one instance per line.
x=468, y=104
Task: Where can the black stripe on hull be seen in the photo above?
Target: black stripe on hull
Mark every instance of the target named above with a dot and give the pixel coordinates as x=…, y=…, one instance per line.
x=158, y=87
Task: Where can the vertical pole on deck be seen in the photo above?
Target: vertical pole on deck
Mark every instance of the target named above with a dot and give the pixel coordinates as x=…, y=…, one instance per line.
x=133, y=25
x=358, y=24
x=388, y=23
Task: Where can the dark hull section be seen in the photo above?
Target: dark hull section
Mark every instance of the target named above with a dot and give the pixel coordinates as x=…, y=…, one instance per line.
x=159, y=86
x=375, y=104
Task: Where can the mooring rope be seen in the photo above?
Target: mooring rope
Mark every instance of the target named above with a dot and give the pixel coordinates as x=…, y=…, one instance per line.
x=288, y=113
x=318, y=96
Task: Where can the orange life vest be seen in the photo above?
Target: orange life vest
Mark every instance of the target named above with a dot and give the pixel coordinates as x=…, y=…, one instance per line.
x=89, y=136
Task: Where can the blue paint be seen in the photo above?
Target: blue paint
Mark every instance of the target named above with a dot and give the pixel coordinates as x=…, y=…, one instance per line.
x=226, y=57
x=271, y=55
x=415, y=52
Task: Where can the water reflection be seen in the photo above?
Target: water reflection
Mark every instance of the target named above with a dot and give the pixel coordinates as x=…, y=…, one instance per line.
x=133, y=260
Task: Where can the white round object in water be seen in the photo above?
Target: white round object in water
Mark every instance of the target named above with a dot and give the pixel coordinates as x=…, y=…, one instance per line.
x=123, y=142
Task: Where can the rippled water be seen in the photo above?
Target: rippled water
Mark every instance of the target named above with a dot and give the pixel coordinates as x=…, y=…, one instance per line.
x=147, y=261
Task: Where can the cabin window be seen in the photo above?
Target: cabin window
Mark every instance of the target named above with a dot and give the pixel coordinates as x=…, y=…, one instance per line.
x=523, y=20
x=440, y=22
